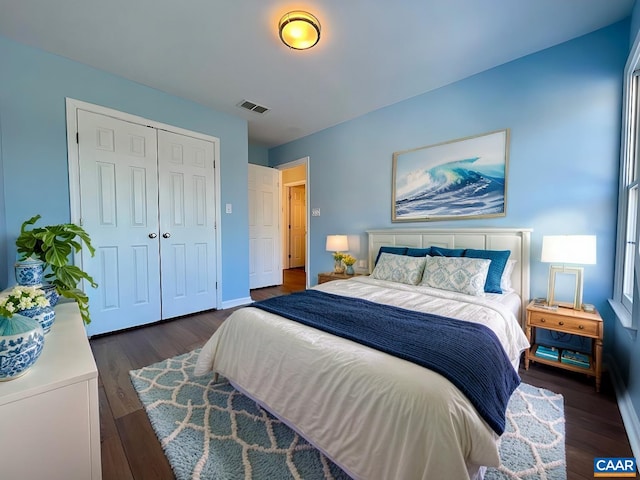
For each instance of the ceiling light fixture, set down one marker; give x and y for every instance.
(299, 30)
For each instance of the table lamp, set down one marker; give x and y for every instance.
(568, 249)
(336, 244)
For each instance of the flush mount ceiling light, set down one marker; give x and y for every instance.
(299, 30)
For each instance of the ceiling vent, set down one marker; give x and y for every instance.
(253, 107)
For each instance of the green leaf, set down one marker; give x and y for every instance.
(83, 302)
(54, 245)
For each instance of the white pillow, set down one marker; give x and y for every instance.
(505, 280)
(458, 274)
(399, 268)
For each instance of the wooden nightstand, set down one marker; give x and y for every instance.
(328, 276)
(567, 320)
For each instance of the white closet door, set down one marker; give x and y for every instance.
(264, 227)
(187, 224)
(119, 208)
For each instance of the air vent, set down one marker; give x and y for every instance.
(253, 107)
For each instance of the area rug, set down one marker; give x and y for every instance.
(211, 431)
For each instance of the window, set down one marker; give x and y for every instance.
(627, 259)
(630, 246)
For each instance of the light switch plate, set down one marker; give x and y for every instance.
(229, 208)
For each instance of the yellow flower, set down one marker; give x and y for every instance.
(348, 259)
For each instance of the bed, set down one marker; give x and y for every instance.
(375, 414)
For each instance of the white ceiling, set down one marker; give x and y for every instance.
(371, 53)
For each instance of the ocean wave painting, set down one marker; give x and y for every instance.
(460, 179)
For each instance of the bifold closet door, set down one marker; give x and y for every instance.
(119, 210)
(148, 202)
(187, 224)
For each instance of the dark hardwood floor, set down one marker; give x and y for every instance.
(130, 449)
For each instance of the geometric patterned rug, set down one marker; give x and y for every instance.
(212, 431)
(532, 445)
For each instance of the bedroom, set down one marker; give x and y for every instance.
(561, 104)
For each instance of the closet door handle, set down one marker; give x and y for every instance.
(166, 235)
(153, 235)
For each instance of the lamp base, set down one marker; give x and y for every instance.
(571, 301)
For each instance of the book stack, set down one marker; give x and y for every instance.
(542, 303)
(550, 353)
(539, 301)
(575, 358)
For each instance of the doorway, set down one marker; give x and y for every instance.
(295, 215)
(297, 225)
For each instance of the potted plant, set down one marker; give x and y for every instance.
(349, 260)
(53, 245)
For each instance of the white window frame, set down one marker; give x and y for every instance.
(624, 301)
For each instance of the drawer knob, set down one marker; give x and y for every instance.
(581, 327)
(560, 323)
(542, 320)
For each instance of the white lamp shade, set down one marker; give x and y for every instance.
(337, 243)
(577, 249)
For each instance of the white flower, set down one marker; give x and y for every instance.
(22, 298)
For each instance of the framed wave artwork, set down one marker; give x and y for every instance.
(464, 178)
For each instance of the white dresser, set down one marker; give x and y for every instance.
(49, 417)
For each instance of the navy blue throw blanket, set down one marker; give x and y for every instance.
(469, 355)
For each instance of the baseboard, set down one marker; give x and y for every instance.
(238, 302)
(628, 413)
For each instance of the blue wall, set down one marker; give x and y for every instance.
(258, 155)
(3, 215)
(563, 106)
(33, 165)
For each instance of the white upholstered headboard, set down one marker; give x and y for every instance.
(518, 240)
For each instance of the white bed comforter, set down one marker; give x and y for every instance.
(375, 415)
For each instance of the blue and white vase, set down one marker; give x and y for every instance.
(43, 315)
(51, 293)
(21, 343)
(29, 273)
(350, 270)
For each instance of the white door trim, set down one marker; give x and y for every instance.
(73, 161)
(302, 161)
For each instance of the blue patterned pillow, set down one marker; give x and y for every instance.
(399, 268)
(446, 252)
(457, 274)
(498, 262)
(394, 250)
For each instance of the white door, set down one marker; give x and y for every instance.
(155, 247)
(187, 224)
(264, 231)
(119, 209)
(297, 226)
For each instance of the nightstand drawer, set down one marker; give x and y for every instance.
(578, 326)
